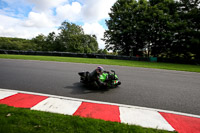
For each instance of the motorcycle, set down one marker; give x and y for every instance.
(110, 79)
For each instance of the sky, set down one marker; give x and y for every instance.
(29, 18)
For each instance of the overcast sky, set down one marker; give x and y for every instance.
(29, 18)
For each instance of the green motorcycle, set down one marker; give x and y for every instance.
(111, 79)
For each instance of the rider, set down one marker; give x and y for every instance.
(95, 77)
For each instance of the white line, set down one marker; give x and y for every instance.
(144, 118)
(93, 101)
(4, 94)
(57, 105)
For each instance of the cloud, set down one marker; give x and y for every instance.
(14, 27)
(88, 11)
(44, 5)
(28, 18)
(69, 12)
(9, 21)
(8, 27)
(7, 31)
(38, 20)
(95, 10)
(95, 29)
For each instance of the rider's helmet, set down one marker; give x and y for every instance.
(100, 69)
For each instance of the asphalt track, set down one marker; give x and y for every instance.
(153, 88)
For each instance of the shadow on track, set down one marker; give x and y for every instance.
(79, 88)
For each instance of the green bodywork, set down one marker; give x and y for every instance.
(104, 76)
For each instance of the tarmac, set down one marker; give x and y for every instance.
(132, 115)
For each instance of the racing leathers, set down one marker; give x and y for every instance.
(94, 78)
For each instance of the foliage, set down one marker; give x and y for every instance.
(16, 44)
(160, 27)
(70, 39)
(102, 51)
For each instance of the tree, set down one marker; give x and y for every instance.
(90, 44)
(125, 27)
(161, 22)
(72, 39)
(70, 28)
(160, 26)
(102, 51)
(40, 41)
(116, 37)
(16, 44)
(189, 12)
(50, 41)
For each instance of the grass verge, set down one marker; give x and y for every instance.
(20, 120)
(156, 65)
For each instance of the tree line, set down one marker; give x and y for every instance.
(160, 28)
(71, 38)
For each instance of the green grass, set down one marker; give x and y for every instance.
(19, 120)
(156, 65)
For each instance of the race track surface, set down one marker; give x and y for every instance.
(153, 88)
